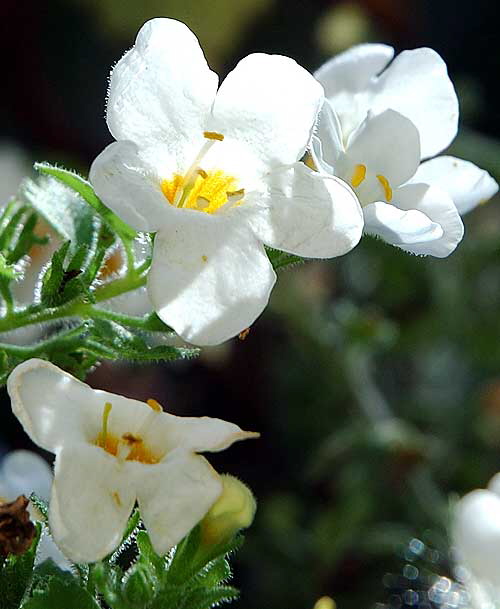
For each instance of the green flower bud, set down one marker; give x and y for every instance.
(140, 586)
(234, 510)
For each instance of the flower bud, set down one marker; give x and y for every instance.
(233, 510)
(140, 586)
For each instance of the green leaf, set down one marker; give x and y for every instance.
(7, 271)
(147, 555)
(115, 342)
(53, 278)
(281, 260)
(27, 238)
(63, 209)
(16, 574)
(85, 190)
(203, 598)
(61, 594)
(40, 504)
(217, 572)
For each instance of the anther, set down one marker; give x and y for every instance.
(236, 193)
(202, 202)
(154, 405)
(202, 173)
(213, 135)
(359, 175)
(386, 186)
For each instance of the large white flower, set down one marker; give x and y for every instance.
(111, 451)
(374, 130)
(217, 174)
(476, 538)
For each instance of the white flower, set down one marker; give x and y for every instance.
(476, 538)
(375, 129)
(111, 451)
(216, 173)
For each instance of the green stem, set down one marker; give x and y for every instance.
(43, 346)
(78, 308)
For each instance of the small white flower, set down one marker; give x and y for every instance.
(374, 130)
(217, 174)
(476, 539)
(111, 451)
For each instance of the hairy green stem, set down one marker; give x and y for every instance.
(79, 308)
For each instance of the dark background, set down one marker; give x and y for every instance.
(374, 379)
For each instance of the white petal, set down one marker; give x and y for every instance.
(353, 69)
(307, 213)
(269, 103)
(417, 85)
(162, 89)
(210, 278)
(387, 144)
(45, 400)
(437, 205)
(405, 229)
(196, 434)
(327, 144)
(24, 472)
(130, 187)
(92, 497)
(476, 534)
(58, 410)
(466, 184)
(423, 220)
(174, 496)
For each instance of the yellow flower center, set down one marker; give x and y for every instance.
(201, 190)
(130, 446)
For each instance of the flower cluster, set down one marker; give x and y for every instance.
(216, 173)
(272, 158)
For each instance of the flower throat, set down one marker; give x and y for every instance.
(200, 190)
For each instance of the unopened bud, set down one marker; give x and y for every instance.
(233, 511)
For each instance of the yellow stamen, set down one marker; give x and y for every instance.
(236, 193)
(103, 436)
(213, 135)
(154, 405)
(386, 186)
(117, 498)
(204, 258)
(359, 175)
(206, 191)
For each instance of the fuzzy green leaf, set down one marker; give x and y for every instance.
(203, 598)
(7, 271)
(63, 208)
(281, 260)
(85, 190)
(61, 594)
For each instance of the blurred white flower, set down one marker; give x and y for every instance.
(475, 531)
(110, 452)
(373, 131)
(217, 174)
(23, 472)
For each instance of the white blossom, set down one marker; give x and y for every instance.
(375, 128)
(475, 530)
(217, 174)
(112, 451)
